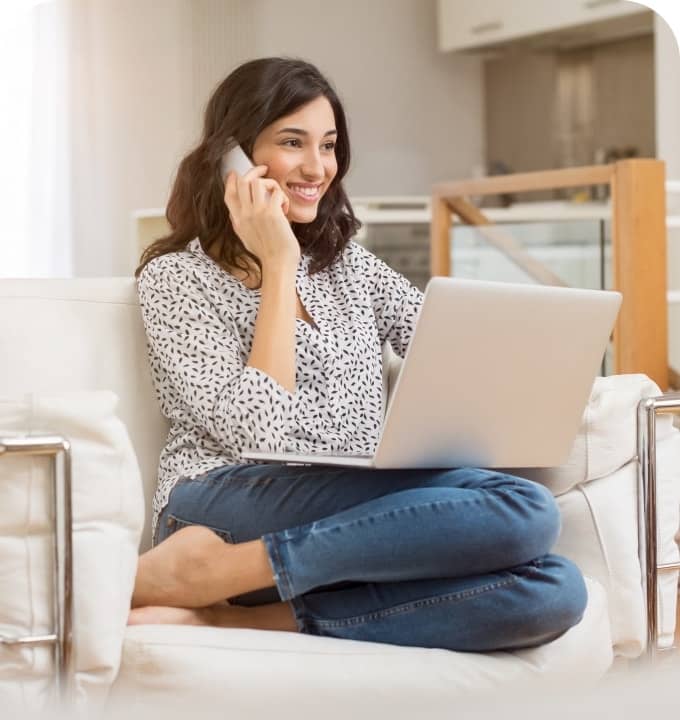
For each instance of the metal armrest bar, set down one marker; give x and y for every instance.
(54, 446)
(29, 639)
(648, 409)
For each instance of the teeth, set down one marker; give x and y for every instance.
(310, 192)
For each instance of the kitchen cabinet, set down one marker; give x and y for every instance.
(468, 24)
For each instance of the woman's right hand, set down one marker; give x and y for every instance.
(257, 208)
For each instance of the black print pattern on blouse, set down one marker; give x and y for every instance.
(199, 323)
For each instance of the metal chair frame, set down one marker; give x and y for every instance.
(61, 637)
(648, 410)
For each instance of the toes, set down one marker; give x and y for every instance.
(162, 615)
(136, 617)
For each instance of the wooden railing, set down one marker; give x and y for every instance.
(638, 206)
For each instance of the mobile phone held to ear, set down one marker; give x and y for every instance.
(235, 159)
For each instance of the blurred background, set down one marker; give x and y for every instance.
(102, 99)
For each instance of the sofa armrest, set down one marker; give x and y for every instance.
(649, 410)
(619, 495)
(60, 638)
(107, 514)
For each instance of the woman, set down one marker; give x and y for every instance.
(265, 325)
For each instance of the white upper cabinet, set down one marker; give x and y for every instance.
(466, 24)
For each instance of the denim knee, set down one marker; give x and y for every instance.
(562, 596)
(542, 518)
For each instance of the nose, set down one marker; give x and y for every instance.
(312, 166)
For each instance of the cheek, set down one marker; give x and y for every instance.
(332, 169)
(277, 166)
(279, 169)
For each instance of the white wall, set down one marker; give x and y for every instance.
(132, 88)
(667, 61)
(415, 114)
(147, 69)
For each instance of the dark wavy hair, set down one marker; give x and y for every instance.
(252, 97)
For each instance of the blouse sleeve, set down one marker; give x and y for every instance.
(196, 357)
(396, 302)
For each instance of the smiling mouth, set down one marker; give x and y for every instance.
(305, 194)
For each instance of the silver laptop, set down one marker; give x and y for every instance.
(496, 375)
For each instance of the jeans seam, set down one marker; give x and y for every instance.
(216, 474)
(304, 622)
(416, 604)
(282, 578)
(305, 529)
(222, 533)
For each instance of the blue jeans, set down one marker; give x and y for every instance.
(455, 559)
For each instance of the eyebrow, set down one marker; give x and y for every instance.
(304, 133)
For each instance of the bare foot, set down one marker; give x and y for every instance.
(276, 616)
(159, 615)
(195, 568)
(165, 572)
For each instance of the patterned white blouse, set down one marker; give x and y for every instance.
(199, 322)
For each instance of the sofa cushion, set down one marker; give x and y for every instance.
(599, 533)
(108, 515)
(256, 673)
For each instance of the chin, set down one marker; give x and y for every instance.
(304, 216)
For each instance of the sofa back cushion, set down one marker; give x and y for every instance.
(84, 334)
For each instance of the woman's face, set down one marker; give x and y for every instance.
(299, 150)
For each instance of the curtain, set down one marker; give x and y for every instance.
(34, 140)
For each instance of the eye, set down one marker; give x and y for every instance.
(329, 146)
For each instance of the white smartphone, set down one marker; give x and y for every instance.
(235, 159)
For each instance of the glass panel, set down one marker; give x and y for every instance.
(573, 250)
(577, 251)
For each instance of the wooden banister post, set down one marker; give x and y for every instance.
(639, 268)
(440, 237)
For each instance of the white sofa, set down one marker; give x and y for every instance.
(73, 363)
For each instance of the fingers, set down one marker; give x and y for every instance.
(244, 186)
(259, 193)
(278, 197)
(233, 178)
(256, 171)
(266, 192)
(274, 193)
(252, 192)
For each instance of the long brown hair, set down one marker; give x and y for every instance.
(252, 97)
